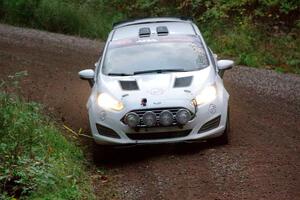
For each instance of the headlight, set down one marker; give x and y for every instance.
(207, 95)
(108, 102)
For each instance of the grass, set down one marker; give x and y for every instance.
(36, 160)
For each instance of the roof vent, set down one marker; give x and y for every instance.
(162, 30)
(144, 32)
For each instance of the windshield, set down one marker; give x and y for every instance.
(170, 54)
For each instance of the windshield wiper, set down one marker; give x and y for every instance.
(119, 74)
(158, 71)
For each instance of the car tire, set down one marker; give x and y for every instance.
(224, 138)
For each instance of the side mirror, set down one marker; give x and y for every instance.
(225, 64)
(87, 74)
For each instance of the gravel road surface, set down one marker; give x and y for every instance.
(262, 160)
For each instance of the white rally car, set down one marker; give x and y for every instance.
(157, 82)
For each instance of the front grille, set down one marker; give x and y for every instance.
(102, 130)
(157, 111)
(158, 135)
(214, 123)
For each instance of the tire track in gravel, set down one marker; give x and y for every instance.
(261, 162)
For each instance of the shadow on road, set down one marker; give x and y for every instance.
(116, 156)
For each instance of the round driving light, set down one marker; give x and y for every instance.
(149, 118)
(132, 119)
(183, 116)
(166, 118)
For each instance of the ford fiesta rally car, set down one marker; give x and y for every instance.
(157, 82)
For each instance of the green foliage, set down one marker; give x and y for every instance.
(280, 70)
(19, 11)
(36, 160)
(255, 33)
(251, 45)
(59, 16)
(84, 18)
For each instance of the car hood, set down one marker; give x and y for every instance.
(175, 85)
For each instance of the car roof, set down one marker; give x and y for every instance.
(175, 26)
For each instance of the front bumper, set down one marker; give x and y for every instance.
(111, 120)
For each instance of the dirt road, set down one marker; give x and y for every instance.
(262, 160)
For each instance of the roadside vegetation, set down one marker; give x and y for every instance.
(36, 160)
(256, 33)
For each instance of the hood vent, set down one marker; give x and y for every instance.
(183, 82)
(129, 85)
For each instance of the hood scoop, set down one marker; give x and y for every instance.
(183, 81)
(129, 85)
